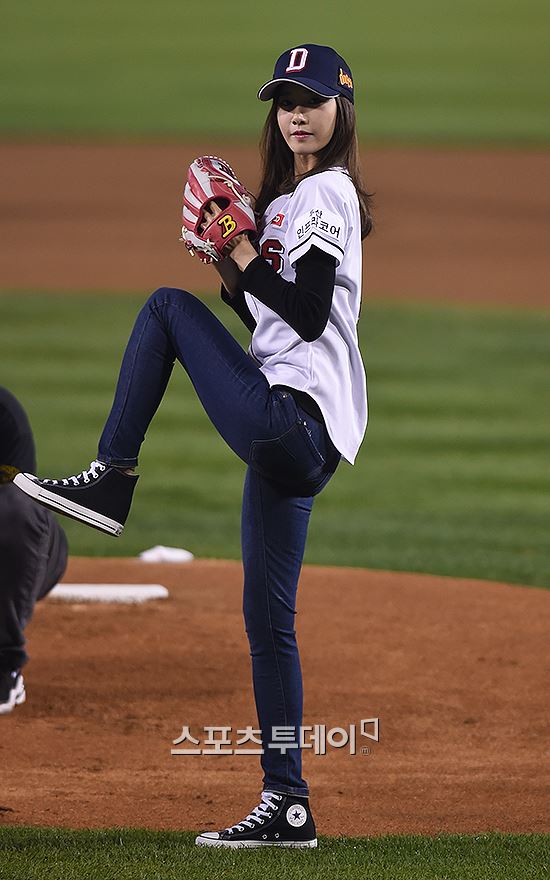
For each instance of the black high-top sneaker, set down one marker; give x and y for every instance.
(278, 820)
(99, 497)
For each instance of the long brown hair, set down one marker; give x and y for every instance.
(278, 161)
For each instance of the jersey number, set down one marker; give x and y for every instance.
(272, 251)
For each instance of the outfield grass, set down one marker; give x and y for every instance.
(424, 71)
(34, 853)
(452, 478)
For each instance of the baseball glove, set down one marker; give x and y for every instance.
(211, 179)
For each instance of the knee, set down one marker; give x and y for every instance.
(266, 629)
(256, 622)
(170, 296)
(270, 642)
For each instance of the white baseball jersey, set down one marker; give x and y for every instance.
(323, 211)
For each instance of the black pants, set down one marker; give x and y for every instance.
(33, 556)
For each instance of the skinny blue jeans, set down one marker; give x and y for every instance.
(290, 458)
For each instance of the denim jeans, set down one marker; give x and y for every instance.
(290, 458)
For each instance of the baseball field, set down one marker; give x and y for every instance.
(424, 598)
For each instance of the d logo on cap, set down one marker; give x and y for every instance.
(298, 58)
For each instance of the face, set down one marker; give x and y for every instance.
(306, 121)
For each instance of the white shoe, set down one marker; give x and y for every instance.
(12, 691)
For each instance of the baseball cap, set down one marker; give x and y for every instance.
(318, 68)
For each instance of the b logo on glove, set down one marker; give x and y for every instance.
(228, 224)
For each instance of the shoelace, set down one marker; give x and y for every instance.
(84, 477)
(259, 814)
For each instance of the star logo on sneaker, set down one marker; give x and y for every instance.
(296, 815)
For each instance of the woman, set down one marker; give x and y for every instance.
(291, 407)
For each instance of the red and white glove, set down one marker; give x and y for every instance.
(210, 178)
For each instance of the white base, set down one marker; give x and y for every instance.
(160, 553)
(127, 593)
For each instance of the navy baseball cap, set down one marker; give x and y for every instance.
(318, 68)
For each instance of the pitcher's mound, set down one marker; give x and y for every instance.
(452, 669)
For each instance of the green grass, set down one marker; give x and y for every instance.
(452, 478)
(35, 853)
(424, 71)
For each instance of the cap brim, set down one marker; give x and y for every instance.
(268, 90)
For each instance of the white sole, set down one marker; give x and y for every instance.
(17, 696)
(68, 508)
(252, 844)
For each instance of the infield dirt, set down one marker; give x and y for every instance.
(451, 668)
(466, 226)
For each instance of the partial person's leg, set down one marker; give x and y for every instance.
(58, 552)
(274, 531)
(33, 555)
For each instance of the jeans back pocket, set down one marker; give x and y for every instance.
(292, 459)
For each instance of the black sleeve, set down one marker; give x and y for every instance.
(238, 304)
(303, 304)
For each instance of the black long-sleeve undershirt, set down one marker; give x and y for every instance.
(239, 306)
(304, 304)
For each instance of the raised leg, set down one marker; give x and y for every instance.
(172, 325)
